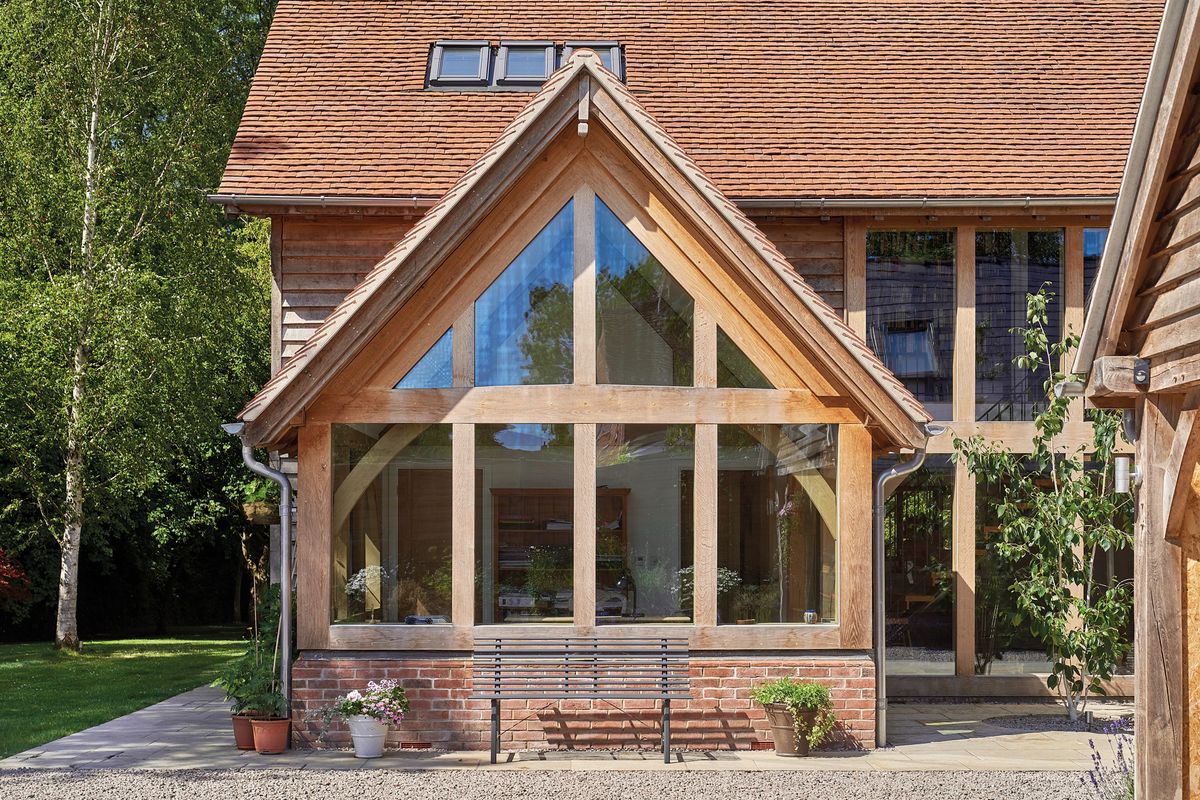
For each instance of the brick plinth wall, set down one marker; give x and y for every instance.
(720, 716)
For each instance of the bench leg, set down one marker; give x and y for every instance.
(495, 729)
(666, 725)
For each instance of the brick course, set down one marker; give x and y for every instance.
(720, 716)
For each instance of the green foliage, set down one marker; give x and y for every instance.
(1056, 514)
(800, 696)
(46, 694)
(251, 682)
(135, 314)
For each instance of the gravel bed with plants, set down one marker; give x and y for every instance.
(459, 784)
(1058, 722)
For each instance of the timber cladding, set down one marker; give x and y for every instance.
(720, 715)
(321, 258)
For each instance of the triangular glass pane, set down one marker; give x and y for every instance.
(434, 370)
(735, 370)
(523, 321)
(644, 318)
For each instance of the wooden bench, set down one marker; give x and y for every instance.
(581, 667)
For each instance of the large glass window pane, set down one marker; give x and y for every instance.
(735, 370)
(1094, 240)
(644, 478)
(919, 570)
(524, 536)
(435, 369)
(644, 318)
(1009, 265)
(910, 311)
(1004, 640)
(777, 524)
(392, 536)
(523, 332)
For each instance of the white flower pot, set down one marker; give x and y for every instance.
(369, 735)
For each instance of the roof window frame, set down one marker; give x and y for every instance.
(436, 78)
(614, 49)
(502, 78)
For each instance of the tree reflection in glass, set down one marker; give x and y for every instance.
(523, 321)
(644, 318)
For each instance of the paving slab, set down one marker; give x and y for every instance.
(192, 732)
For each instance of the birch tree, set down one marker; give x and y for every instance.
(124, 298)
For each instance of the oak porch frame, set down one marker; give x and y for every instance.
(585, 404)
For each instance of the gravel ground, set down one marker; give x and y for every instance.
(1054, 722)
(553, 785)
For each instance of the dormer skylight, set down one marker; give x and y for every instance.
(456, 64)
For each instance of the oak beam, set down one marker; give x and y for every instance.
(1180, 466)
(583, 404)
(1111, 382)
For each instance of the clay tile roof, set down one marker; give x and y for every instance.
(341, 322)
(811, 98)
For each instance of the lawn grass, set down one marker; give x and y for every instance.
(45, 694)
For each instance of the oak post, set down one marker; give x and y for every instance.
(584, 596)
(313, 535)
(704, 528)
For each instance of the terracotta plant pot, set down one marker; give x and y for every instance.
(243, 734)
(271, 735)
(790, 739)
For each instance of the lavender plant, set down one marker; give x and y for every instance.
(1112, 781)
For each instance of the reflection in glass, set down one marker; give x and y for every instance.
(524, 536)
(910, 311)
(644, 550)
(777, 523)
(1009, 265)
(391, 524)
(1005, 643)
(643, 316)
(460, 62)
(1094, 240)
(523, 320)
(735, 370)
(434, 370)
(525, 62)
(919, 570)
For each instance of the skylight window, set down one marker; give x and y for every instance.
(524, 62)
(460, 64)
(609, 52)
(514, 65)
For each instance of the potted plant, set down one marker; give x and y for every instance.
(270, 725)
(260, 501)
(800, 714)
(251, 683)
(369, 713)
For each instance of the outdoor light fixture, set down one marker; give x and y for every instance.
(1125, 475)
(1069, 389)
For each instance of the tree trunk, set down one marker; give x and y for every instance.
(66, 632)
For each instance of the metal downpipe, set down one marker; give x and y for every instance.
(285, 558)
(896, 473)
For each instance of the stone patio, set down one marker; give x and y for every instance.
(192, 731)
